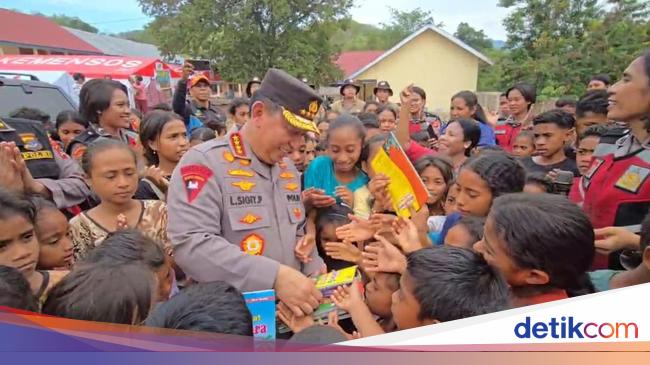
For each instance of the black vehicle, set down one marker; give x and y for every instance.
(16, 93)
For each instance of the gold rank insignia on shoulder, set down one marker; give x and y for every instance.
(242, 173)
(228, 156)
(244, 185)
(250, 218)
(287, 175)
(633, 178)
(292, 186)
(237, 146)
(245, 162)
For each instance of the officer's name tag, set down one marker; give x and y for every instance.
(38, 155)
(240, 200)
(293, 198)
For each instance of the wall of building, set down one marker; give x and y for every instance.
(431, 62)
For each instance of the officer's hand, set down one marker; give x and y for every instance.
(610, 239)
(188, 68)
(10, 175)
(316, 198)
(296, 291)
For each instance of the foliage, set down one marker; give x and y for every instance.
(559, 44)
(70, 22)
(245, 38)
(474, 38)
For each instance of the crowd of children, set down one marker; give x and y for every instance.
(503, 224)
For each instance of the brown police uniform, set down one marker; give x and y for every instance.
(233, 217)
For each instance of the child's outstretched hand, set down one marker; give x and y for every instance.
(333, 321)
(295, 323)
(382, 222)
(346, 195)
(122, 222)
(382, 256)
(304, 248)
(343, 251)
(316, 198)
(348, 297)
(358, 230)
(407, 235)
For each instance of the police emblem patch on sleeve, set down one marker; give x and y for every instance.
(194, 178)
(633, 178)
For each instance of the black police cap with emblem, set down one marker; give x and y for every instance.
(383, 85)
(299, 102)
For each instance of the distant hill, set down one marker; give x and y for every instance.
(498, 44)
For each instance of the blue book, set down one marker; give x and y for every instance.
(261, 304)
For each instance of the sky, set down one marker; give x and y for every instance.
(116, 16)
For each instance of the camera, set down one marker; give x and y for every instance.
(563, 182)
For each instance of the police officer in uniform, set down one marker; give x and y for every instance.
(349, 102)
(103, 103)
(383, 92)
(198, 110)
(617, 185)
(235, 209)
(49, 172)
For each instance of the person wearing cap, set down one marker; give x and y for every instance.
(198, 109)
(349, 103)
(252, 86)
(383, 92)
(235, 206)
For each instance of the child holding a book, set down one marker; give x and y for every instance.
(436, 285)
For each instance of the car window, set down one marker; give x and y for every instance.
(49, 100)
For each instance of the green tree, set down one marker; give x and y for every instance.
(247, 37)
(70, 22)
(403, 23)
(474, 38)
(544, 42)
(140, 35)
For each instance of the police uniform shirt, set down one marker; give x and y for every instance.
(355, 108)
(234, 218)
(51, 167)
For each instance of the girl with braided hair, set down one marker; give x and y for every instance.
(482, 179)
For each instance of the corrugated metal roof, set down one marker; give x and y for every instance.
(115, 46)
(24, 30)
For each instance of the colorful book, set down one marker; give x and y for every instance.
(327, 283)
(261, 304)
(406, 189)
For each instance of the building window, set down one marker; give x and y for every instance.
(25, 50)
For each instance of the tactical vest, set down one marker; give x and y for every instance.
(92, 133)
(34, 144)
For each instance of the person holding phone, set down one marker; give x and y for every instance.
(198, 109)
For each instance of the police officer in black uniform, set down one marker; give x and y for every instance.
(48, 173)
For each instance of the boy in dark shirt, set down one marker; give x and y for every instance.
(552, 130)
